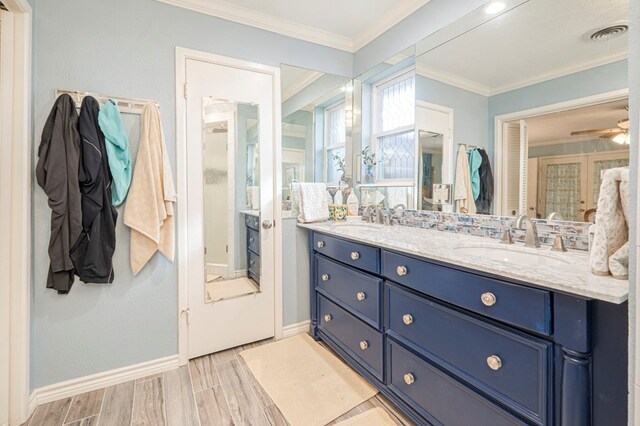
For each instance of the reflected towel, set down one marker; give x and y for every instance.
(463, 193)
(149, 209)
(313, 202)
(610, 249)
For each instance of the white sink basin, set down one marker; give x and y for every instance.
(514, 256)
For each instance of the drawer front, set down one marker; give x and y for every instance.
(360, 292)
(253, 263)
(253, 240)
(354, 254)
(510, 367)
(521, 306)
(361, 341)
(251, 221)
(439, 397)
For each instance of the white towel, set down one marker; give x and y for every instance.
(610, 249)
(149, 209)
(463, 192)
(313, 202)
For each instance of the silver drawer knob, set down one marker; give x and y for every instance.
(364, 345)
(325, 277)
(355, 255)
(409, 379)
(488, 299)
(320, 244)
(328, 317)
(407, 319)
(494, 362)
(361, 296)
(401, 270)
(251, 262)
(251, 240)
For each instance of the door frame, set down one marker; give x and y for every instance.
(182, 55)
(534, 112)
(15, 196)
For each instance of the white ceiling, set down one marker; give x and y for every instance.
(554, 128)
(346, 25)
(536, 41)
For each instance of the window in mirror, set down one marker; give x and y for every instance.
(393, 127)
(334, 143)
(430, 165)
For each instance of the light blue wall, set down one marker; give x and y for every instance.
(470, 110)
(431, 17)
(296, 285)
(126, 48)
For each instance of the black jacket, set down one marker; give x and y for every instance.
(57, 174)
(92, 254)
(485, 199)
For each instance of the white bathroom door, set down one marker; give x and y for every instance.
(233, 321)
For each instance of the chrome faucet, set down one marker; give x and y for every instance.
(374, 216)
(531, 238)
(554, 216)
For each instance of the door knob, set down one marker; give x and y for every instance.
(267, 224)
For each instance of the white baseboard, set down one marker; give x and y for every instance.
(295, 329)
(80, 385)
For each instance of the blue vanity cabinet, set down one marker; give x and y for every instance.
(454, 346)
(253, 246)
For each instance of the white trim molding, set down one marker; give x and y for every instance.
(295, 329)
(90, 383)
(300, 84)
(452, 80)
(15, 197)
(265, 21)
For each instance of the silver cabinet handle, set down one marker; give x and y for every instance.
(401, 270)
(494, 362)
(325, 277)
(267, 224)
(361, 295)
(407, 319)
(355, 255)
(320, 244)
(328, 317)
(364, 345)
(488, 299)
(409, 379)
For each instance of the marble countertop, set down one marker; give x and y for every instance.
(572, 277)
(251, 212)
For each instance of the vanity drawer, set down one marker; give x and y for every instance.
(354, 254)
(360, 292)
(253, 240)
(251, 221)
(521, 306)
(511, 367)
(440, 398)
(360, 341)
(253, 263)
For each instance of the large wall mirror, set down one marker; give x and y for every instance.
(533, 98)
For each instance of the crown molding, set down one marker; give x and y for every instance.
(391, 19)
(484, 90)
(561, 72)
(452, 80)
(253, 18)
(250, 17)
(300, 84)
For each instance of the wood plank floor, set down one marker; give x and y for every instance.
(216, 389)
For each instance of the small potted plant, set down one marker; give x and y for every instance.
(340, 165)
(369, 161)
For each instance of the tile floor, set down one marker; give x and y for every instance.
(216, 389)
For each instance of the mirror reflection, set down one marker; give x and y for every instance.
(231, 177)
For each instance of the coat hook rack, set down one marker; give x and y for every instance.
(126, 105)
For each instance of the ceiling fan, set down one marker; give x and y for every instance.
(619, 134)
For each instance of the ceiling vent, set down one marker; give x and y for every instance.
(609, 32)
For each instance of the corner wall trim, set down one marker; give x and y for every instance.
(80, 385)
(295, 329)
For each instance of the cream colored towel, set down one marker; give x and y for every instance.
(463, 192)
(313, 202)
(149, 209)
(610, 249)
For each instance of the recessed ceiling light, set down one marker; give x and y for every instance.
(494, 7)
